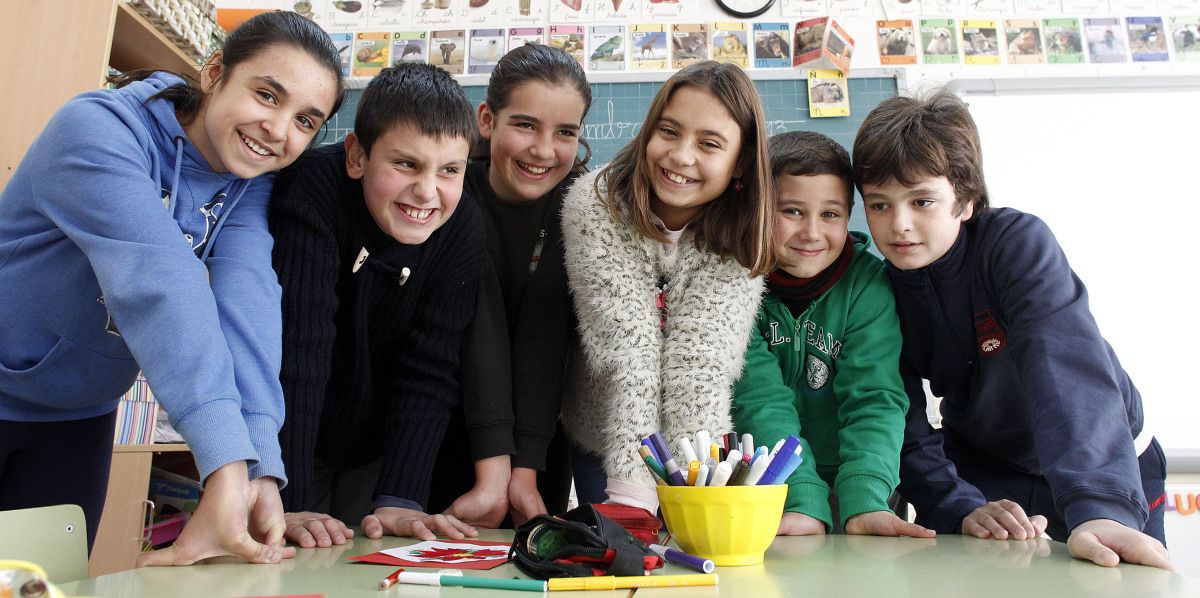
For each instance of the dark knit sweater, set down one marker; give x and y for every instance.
(370, 366)
(516, 349)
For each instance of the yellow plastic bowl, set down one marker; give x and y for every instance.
(732, 525)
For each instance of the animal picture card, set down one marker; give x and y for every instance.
(617, 10)
(979, 42)
(344, 14)
(371, 52)
(344, 42)
(648, 47)
(1023, 38)
(1147, 39)
(570, 11)
(519, 36)
(939, 44)
(658, 9)
(448, 50)
(410, 46)
(809, 38)
(803, 9)
(1104, 40)
(389, 13)
(607, 43)
(896, 45)
(851, 8)
(569, 39)
(771, 47)
(729, 43)
(1063, 45)
(1085, 7)
(943, 7)
(487, 46)
(828, 94)
(434, 14)
(689, 44)
(1037, 7)
(1185, 37)
(444, 554)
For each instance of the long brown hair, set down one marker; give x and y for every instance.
(738, 223)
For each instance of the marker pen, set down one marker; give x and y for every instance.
(757, 469)
(721, 474)
(693, 472)
(702, 442)
(685, 447)
(739, 471)
(747, 444)
(733, 457)
(702, 475)
(771, 476)
(683, 559)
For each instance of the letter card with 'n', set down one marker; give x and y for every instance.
(442, 554)
(828, 93)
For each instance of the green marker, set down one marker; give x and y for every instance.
(458, 579)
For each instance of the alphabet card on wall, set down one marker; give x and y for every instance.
(525, 12)
(449, 50)
(389, 13)
(436, 13)
(803, 9)
(979, 42)
(828, 94)
(570, 11)
(657, 9)
(648, 43)
(1185, 31)
(771, 47)
(487, 46)
(618, 10)
(1023, 38)
(569, 39)
(410, 46)
(897, 43)
(729, 43)
(444, 554)
(343, 14)
(1063, 45)
(607, 43)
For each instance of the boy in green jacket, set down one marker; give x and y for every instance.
(823, 360)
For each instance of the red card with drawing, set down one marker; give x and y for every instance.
(466, 554)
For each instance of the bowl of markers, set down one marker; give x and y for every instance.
(722, 498)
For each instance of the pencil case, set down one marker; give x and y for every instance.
(579, 543)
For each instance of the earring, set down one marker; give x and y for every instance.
(737, 185)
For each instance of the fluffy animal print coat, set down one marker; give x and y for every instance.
(633, 379)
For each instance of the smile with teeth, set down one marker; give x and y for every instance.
(676, 178)
(531, 169)
(416, 213)
(254, 147)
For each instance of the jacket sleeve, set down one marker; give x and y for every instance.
(871, 401)
(425, 383)
(1081, 431)
(928, 479)
(487, 394)
(306, 259)
(765, 406)
(248, 295)
(102, 196)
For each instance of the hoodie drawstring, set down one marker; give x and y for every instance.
(179, 141)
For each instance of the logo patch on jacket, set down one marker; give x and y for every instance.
(818, 372)
(988, 333)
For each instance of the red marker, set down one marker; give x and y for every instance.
(390, 580)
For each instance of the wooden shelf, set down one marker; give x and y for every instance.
(137, 44)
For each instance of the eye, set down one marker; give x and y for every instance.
(306, 122)
(877, 206)
(923, 203)
(266, 96)
(711, 144)
(668, 131)
(405, 164)
(831, 215)
(567, 133)
(790, 211)
(524, 125)
(450, 170)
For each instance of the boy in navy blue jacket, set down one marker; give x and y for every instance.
(1042, 429)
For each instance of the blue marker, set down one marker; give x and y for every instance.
(771, 476)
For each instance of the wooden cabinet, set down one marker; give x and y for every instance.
(119, 538)
(53, 51)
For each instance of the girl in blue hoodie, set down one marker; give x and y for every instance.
(134, 236)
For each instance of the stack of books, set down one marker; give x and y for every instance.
(136, 413)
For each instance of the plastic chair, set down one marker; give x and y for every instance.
(53, 537)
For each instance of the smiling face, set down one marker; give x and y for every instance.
(914, 226)
(261, 114)
(811, 218)
(533, 140)
(411, 182)
(691, 155)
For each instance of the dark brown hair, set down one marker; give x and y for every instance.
(420, 95)
(536, 62)
(253, 36)
(806, 153)
(737, 224)
(909, 139)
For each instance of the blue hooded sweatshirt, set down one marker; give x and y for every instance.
(120, 250)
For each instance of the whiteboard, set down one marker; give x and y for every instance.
(1113, 166)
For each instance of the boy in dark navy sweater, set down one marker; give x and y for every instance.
(1042, 429)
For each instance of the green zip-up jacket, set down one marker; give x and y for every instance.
(832, 377)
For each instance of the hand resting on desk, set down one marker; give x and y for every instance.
(799, 524)
(395, 521)
(525, 502)
(885, 523)
(1107, 542)
(309, 529)
(1002, 519)
(233, 517)
(486, 503)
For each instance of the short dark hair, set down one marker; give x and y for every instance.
(536, 62)
(421, 95)
(908, 139)
(255, 35)
(806, 153)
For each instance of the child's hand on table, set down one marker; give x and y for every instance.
(799, 524)
(885, 523)
(486, 503)
(525, 502)
(1003, 520)
(396, 521)
(309, 529)
(1107, 542)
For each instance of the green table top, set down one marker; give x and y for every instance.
(818, 567)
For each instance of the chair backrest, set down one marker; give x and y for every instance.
(53, 537)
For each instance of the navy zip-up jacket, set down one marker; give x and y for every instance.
(1000, 326)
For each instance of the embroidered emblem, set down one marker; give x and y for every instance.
(988, 333)
(818, 373)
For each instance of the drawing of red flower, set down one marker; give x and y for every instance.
(458, 554)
